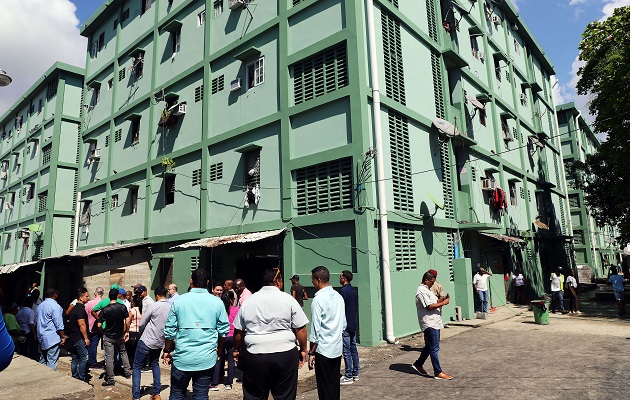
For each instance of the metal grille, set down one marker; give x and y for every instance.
(118, 135)
(125, 15)
(296, 2)
(324, 187)
(574, 200)
(578, 237)
(550, 121)
(103, 204)
(321, 73)
(563, 218)
(107, 141)
(43, 198)
(217, 84)
(515, 134)
(216, 171)
(194, 263)
(450, 248)
(198, 94)
(393, 61)
(438, 92)
(400, 161)
(394, 3)
(556, 169)
(196, 177)
(46, 153)
(52, 89)
(38, 251)
(121, 74)
(169, 189)
(529, 196)
(473, 173)
(522, 193)
(405, 246)
(252, 168)
(432, 20)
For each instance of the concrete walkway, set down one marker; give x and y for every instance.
(28, 379)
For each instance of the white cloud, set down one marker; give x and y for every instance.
(577, 2)
(35, 34)
(610, 6)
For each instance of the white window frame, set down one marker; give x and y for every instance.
(517, 46)
(201, 18)
(96, 96)
(218, 8)
(114, 202)
(7, 244)
(257, 68)
(474, 46)
(94, 49)
(176, 37)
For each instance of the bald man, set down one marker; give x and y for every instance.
(242, 291)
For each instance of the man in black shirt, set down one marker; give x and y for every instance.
(117, 320)
(297, 290)
(349, 336)
(78, 336)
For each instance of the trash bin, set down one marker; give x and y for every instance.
(541, 311)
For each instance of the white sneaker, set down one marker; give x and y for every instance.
(345, 381)
(355, 378)
(214, 388)
(227, 387)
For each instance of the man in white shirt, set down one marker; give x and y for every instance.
(480, 284)
(430, 318)
(557, 286)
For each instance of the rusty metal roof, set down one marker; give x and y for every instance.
(238, 238)
(10, 268)
(504, 238)
(98, 250)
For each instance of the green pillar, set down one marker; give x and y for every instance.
(462, 274)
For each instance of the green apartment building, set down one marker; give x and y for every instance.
(38, 175)
(239, 136)
(595, 246)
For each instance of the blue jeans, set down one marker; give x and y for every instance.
(78, 365)
(142, 353)
(556, 298)
(350, 354)
(431, 348)
(483, 300)
(92, 349)
(50, 357)
(219, 367)
(181, 379)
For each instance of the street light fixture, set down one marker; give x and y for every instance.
(5, 79)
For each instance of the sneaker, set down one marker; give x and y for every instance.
(214, 388)
(109, 382)
(442, 375)
(355, 378)
(346, 381)
(419, 369)
(227, 387)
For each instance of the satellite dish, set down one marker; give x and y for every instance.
(35, 228)
(445, 127)
(475, 102)
(437, 203)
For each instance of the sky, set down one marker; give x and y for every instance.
(53, 34)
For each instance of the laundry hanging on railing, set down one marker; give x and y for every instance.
(252, 196)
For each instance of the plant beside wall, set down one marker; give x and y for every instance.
(168, 163)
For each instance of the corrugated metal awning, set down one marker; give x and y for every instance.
(98, 250)
(238, 238)
(504, 238)
(11, 268)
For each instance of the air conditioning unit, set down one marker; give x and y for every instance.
(235, 4)
(482, 55)
(488, 184)
(507, 135)
(95, 154)
(496, 20)
(523, 98)
(24, 234)
(179, 109)
(235, 85)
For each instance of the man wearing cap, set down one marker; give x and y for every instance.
(437, 288)
(297, 290)
(141, 292)
(122, 295)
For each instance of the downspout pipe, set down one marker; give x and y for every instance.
(380, 174)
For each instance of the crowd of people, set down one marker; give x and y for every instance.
(197, 333)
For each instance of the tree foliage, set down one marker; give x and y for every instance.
(605, 77)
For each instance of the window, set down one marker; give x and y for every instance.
(218, 8)
(7, 244)
(513, 196)
(135, 131)
(474, 45)
(19, 121)
(133, 194)
(255, 73)
(43, 199)
(482, 117)
(324, 187)
(201, 18)
(320, 73)
(114, 202)
(505, 127)
(125, 15)
(517, 47)
(252, 168)
(497, 69)
(523, 97)
(47, 152)
(115, 23)
(40, 106)
(30, 192)
(86, 213)
(144, 6)
(32, 109)
(138, 64)
(176, 38)
(35, 148)
(101, 41)
(52, 89)
(110, 84)
(11, 202)
(96, 96)
(169, 189)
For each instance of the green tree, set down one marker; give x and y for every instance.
(605, 77)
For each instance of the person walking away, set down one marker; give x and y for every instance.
(134, 330)
(94, 333)
(50, 327)
(617, 282)
(297, 290)
(480, 284)
(26, 319)
(350, 353)
(430, 319)
(242, 291)
(78, 339)
(114, 321)
(196, 327)
(571, 291)
(328, 321)
(172, 293)
(36, 300)
(265, 331)
(150, 343)
(518, 281)
(557, 287)
(228, 345)
(141, 291)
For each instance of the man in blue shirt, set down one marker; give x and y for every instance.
(350, 354)
(50, 329)
(196, 327)
(328, 321)
(617, 283)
